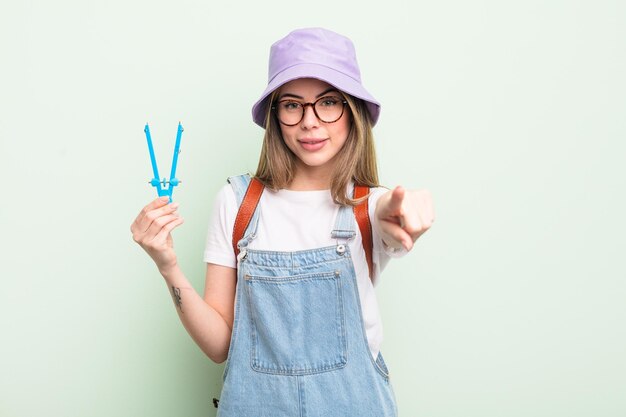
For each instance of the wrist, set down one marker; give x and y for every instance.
(169, 271)
(392, 251)
(392, 248)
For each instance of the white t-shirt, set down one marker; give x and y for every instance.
(301, 220)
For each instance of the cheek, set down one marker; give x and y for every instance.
(285, 132)
(288, 136)
(343, 130)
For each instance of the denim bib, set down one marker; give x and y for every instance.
(298, 346)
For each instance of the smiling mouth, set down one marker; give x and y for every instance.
(311, 141)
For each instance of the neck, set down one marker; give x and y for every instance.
(311, 179)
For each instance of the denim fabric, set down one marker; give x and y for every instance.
(298, 346)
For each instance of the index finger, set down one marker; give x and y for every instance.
(394, 203)
(154, 204)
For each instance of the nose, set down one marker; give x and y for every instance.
(309, 119)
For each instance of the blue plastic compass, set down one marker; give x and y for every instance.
(164, 186)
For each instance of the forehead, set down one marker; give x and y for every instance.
(305, 87)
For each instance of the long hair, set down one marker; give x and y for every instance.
(355, 161)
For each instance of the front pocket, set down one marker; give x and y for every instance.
(297, 323)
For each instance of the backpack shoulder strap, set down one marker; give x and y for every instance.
(247, 208)
(251, 200)
(361, 212)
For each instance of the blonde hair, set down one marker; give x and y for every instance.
(356, 161)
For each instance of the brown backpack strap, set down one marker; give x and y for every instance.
(361, 212)
(246, 210)
(253, 195)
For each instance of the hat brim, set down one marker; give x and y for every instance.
(335, 78)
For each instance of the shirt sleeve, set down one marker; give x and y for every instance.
(381, 253)
(218, 249)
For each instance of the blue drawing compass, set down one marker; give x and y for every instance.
(165, 187)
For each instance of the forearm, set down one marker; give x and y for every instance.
(204, 324)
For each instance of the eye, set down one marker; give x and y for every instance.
(290, 105)
(329, 101)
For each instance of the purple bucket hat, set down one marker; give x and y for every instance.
(314, 53)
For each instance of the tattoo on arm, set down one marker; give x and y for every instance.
(177, 298)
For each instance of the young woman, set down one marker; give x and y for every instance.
(289, 297)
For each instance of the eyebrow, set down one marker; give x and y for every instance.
(302, 98)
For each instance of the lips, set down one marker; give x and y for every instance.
(312, 144)
(311, 140)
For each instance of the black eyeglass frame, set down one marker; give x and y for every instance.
(304, 106)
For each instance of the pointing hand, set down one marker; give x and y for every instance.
(402, 216)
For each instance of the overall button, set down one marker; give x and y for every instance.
(341, 249)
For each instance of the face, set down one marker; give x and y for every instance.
(314, 142)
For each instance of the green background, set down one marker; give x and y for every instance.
(511, 113)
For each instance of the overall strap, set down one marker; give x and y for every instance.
(239, 184)
(250, 200)
(247, 207)
(361, 212)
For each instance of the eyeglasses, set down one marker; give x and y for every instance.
(327, 109)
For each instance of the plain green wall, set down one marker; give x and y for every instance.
(511, 113)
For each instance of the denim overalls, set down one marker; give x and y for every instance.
(298, 345)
